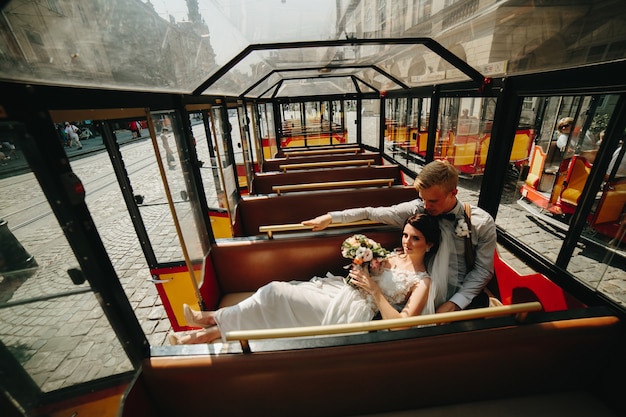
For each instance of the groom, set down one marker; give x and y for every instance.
(437, 186)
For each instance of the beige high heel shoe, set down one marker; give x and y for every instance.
(189, 318)
(173, 339)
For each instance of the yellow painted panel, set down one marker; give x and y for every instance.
(520, 147)
(179, 290)
(464, 153)
(613, 205)
(221, 227)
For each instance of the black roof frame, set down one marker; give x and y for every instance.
(480, 80)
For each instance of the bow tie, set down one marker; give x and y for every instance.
(447, 216)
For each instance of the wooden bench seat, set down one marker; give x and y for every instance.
(576, 181)
(542, 171)
(252, 212)
(319, 149)
(326, 164)
(611, 207)
(234, 298)
(502, 365)
(331, 185)
(275, 163)
(263, 182)
(278, 260)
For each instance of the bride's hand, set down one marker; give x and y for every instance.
(360, 277)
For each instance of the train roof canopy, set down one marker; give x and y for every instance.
(295, 48)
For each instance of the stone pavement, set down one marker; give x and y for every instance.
(67, 340)
(17, 164)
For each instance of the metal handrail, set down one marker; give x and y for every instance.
(278, 189)
(322, 152)
(519, 310)
(306, 165)
(271, 229)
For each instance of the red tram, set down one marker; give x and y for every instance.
(557, 177)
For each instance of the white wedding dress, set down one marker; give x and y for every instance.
(326, 300)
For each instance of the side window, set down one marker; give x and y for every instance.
(565, 134)
(53, 332)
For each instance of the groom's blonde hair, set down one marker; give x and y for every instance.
(440, 173)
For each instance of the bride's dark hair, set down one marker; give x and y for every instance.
(429, 226)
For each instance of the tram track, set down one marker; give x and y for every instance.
(88, 170)
(24, 216)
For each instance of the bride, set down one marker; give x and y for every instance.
(401, 279)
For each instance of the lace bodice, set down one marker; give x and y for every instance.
(396, 284)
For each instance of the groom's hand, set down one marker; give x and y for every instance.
(319, 223)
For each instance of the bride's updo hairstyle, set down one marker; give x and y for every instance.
(429, 226)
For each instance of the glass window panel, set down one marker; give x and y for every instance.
(312, 123)
(209, 169)
(63, 341)
(191, 45)
(257, 21)
(350, 120)
(370, 122)
(111, 217)
(227, 163)
(252, 134)
(137, 48)
(416, 140)
(240, 147)
(265, 85)
(317, 86)
(393, 62)
(55, 329)
(145, 178)
(542, 194)
(398, 133)
(248, 71)
(463, 137)
(30, 266)
(267, 119)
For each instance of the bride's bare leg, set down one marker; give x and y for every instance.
(207, 335)
(198, 318)
(208, 317)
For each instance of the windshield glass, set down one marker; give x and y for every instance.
(236, 47)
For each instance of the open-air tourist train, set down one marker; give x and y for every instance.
(256, 116)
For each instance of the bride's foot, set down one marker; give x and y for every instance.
(174, 338)
(196, 337)
(198, 318)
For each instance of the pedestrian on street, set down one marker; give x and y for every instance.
(72, 133)
(135, 128)
(8, 149)
(169, 155)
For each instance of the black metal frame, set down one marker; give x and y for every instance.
(478, 79)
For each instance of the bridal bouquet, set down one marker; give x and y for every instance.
(363, 251)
